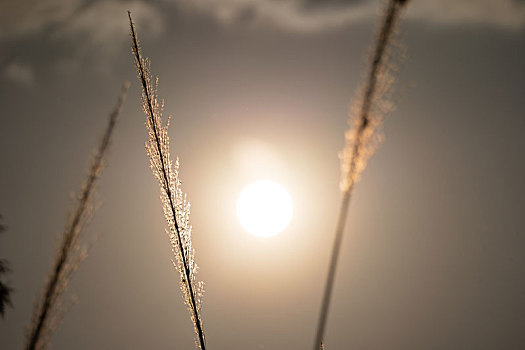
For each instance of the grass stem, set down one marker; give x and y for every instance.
(355, 153)
(68, 255)
(158, 149)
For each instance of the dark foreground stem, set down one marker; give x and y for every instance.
(377, 61)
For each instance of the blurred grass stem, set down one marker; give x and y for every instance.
(357, 153)
(66, 261)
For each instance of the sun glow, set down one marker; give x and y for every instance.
(264, 208)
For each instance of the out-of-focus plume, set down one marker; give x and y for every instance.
(371, 104)
(362, 138)
(49, 308)
(174, 202)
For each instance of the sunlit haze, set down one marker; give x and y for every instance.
(432, 254)
(264, 208)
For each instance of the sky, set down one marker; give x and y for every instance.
(432, 256)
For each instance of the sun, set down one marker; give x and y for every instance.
(264, 208)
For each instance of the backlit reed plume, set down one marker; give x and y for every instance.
(361, 139)
(175, 205)
(49, 308)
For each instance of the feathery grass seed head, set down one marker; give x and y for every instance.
(49, 309)
(175, 204)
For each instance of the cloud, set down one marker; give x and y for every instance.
(508, 14)
(73, 33)
(20, 73)
(315, 15)
(26, 17)
(101, 21)
(105, 23)
(294, 15)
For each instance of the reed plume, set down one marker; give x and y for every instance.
(175, 205)
(49, 309)
(361, 140)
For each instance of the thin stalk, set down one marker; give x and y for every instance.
(64, 265)
(357, 153)
(166, 184)
(5, 289)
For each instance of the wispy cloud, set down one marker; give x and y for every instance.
(26, 17)
(316, 15)
(509, 14)
(19, 73)
(99, 21)
(75, 33)
(104, 22)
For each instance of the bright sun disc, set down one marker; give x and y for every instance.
(264, 208)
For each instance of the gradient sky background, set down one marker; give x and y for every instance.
(433, 255)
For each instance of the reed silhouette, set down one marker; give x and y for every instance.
(174, 202)
(48, 309)
(5, 289)
(361, 141)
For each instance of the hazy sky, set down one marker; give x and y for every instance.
(433, 252)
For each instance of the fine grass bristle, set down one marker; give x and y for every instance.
(361, 141)
(48, 309)
(175, 205)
